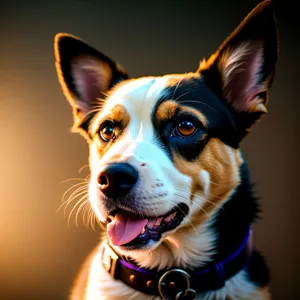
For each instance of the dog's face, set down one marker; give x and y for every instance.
(164, 151)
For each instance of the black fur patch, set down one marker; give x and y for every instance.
(195, 93)
(257, 270)
(237, 213)
(232, 224)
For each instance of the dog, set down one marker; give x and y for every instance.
(168, 179)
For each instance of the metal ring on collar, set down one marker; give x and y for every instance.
(175, 284)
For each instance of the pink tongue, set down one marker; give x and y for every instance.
(122, 229)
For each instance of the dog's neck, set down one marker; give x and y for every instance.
(211, 241)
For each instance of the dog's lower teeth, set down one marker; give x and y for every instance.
(151, 223)
(158, 221)
(169, 218)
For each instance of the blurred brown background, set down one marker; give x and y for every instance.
(39, 253)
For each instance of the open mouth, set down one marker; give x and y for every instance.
(134, 231)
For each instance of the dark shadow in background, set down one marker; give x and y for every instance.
(39, 255)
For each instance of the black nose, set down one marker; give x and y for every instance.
(117, 179)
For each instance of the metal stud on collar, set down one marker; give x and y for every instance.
(175, 285)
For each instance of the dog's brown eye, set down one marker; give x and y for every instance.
(186, 128)
(107, 131)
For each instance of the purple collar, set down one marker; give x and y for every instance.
(177, 283)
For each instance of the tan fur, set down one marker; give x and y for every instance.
(176, 79)
(118, 114)
(168, 109)
(222, 164)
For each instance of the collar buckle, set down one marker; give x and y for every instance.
(109, 259)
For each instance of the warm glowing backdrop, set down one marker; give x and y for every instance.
(39, 254)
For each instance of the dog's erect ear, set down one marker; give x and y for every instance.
(84, 73)
(243, 67)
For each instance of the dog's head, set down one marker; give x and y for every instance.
(164, 150)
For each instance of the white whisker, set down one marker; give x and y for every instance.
(75, 206)
(196, 101)
(81, 206)
(70, 199)
(177, 86)
(199, 197)
(185, 214)
(82, 168)
(78, 193)
(72, 187)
